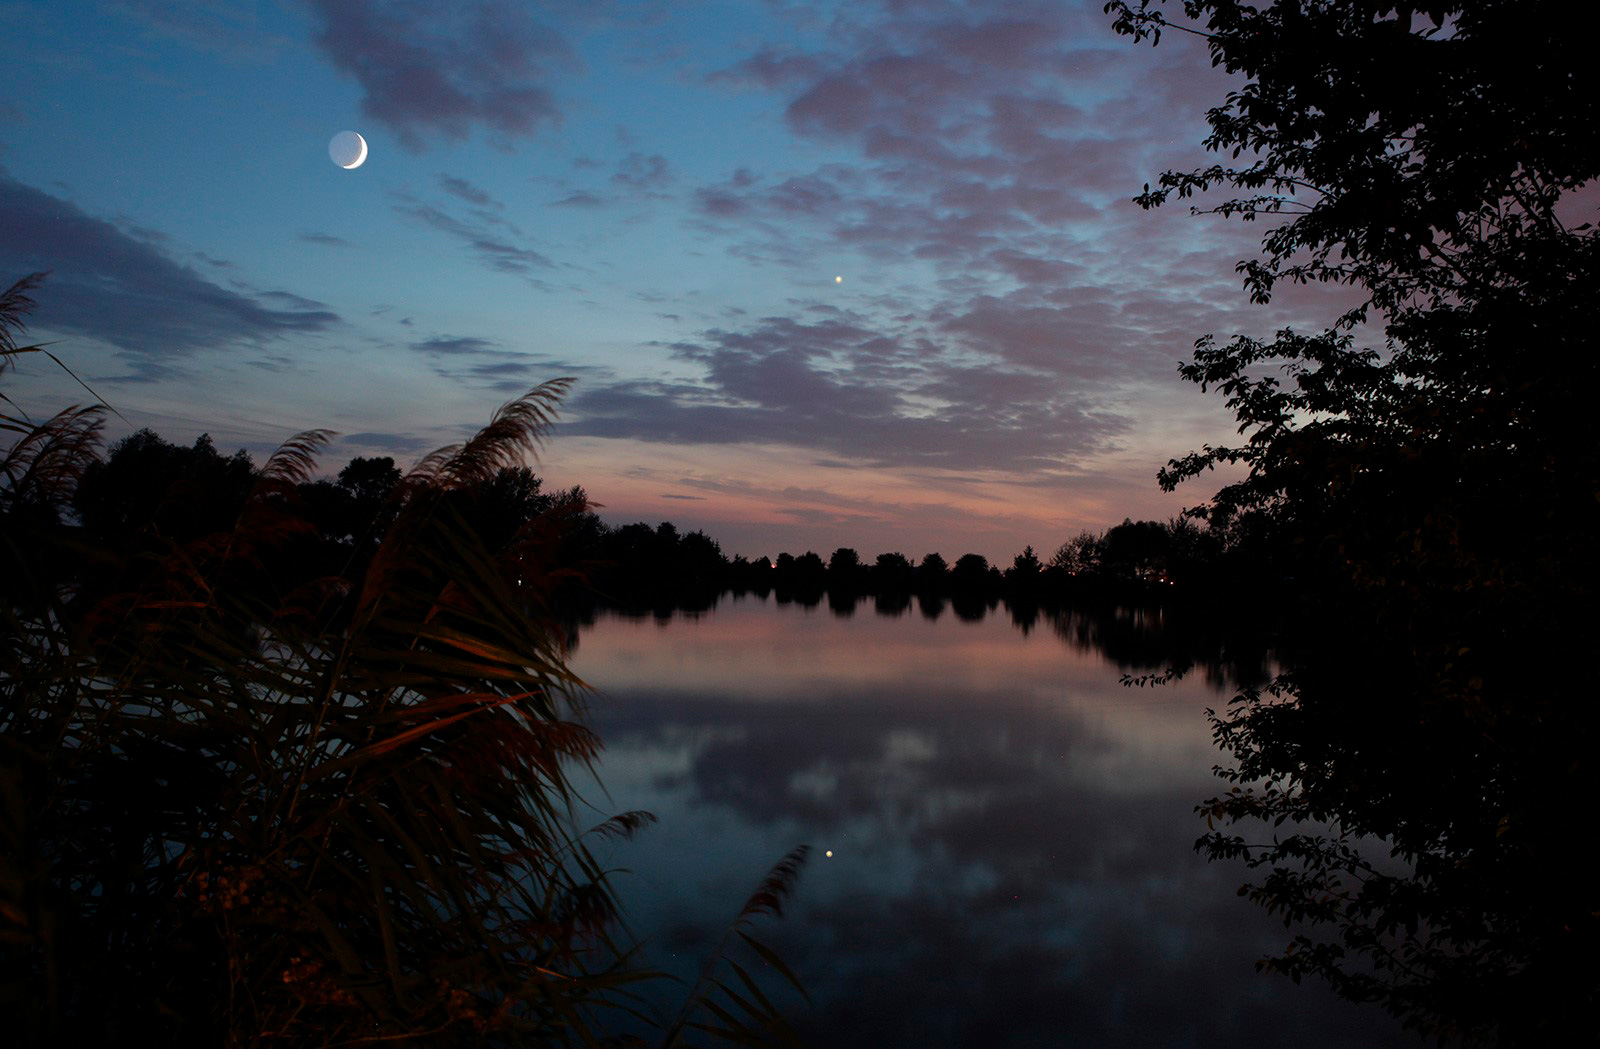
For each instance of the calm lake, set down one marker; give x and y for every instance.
(1011, 829)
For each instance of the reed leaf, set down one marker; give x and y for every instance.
(736, 1012)
(15, 303)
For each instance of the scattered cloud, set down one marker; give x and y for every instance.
(770, 68)
(639, 171)
(865, 396)
(485, 236)
(396, 443)
(511, 378)
(983, 155)
(433, 72)
(290, 299)
(127, 292)
(580, 199)
(993, 142)
(460, 187)
(233, 31)
(454, 345)
(1006, 316)
(489, 365)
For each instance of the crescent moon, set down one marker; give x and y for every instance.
(348, 150)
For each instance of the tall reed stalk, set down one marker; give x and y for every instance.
(239, 812)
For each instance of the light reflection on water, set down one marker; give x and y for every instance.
(1011, 830)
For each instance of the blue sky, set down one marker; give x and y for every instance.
(654, 198)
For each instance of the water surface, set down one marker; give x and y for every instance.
(1011, 829)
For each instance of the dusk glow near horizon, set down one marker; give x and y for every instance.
(662, 201)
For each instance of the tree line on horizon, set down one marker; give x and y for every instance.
(147, 485)
(147, 495)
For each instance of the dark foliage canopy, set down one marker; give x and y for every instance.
(1423, 510)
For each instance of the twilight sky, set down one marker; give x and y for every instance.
(655, 198)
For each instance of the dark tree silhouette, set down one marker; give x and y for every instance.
(1025, 565)
(1137, 549)
(1080, 554)
(971, 571)
(370, 481)
(809, 566)
(354, 510)
(846, 574)
(148, 484)
(892, 573)
(700, 562)
(1424, 513)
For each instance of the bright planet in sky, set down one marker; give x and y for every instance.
(348, 150)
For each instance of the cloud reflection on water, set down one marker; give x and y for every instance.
(1012, 830)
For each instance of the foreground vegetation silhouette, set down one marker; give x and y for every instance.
(247, 801)
(1413, 791)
